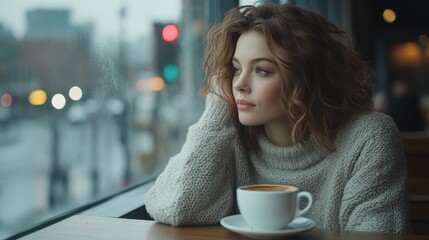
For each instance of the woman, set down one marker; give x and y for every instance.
(288, 102)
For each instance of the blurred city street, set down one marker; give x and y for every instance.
(91, 103)
(27, 157)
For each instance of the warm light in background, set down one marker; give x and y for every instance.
(170, 33)
(37, 97)
(58, 101)
(389, 15)
(157, 84)
(75, 93)
(6, 100)
(154, 84)
(406, 54)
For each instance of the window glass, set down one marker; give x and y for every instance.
(89, 101)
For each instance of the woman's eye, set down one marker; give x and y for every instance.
(235, 70)
(262, 71)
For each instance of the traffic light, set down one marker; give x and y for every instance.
(167, 52)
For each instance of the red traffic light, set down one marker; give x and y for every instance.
(6, 100)
(170, 33)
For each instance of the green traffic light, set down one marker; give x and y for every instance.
(170, 73)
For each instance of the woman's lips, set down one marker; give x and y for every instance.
(244, 105)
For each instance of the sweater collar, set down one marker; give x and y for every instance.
(295, 157)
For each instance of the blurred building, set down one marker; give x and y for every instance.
(8, 57)
(43, 24)
(9, 69)
(52, 44)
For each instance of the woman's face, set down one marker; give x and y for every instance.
(256, 84)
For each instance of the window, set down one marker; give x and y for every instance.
(86, 109)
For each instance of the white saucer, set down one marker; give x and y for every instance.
(237, 224)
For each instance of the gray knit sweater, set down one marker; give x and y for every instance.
(359, 187)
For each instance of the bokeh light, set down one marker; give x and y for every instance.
(170, 33)
(6, 100)
(75, 93)
(154, 84)
(58, 101)
(37, 97)
(406, 54)
(389, 15)
(157, 84)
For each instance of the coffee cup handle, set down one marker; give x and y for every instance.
(310, 202)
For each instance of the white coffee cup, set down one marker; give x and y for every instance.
(271, 206)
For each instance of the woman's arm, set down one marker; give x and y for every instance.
(375, 198)
(197, 185)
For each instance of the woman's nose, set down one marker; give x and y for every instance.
(241, 83)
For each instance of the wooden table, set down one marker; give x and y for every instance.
(84, 227)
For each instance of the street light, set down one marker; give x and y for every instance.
(58, 101)
(75, 93)
(37, 97)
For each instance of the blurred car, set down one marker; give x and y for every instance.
(77, 114)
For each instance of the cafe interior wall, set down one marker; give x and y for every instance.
(396, 48)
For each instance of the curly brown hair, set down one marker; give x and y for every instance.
(325, 80)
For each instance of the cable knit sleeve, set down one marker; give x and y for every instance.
(375, 197)
(197, 185)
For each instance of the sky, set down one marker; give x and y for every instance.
(104, 14)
